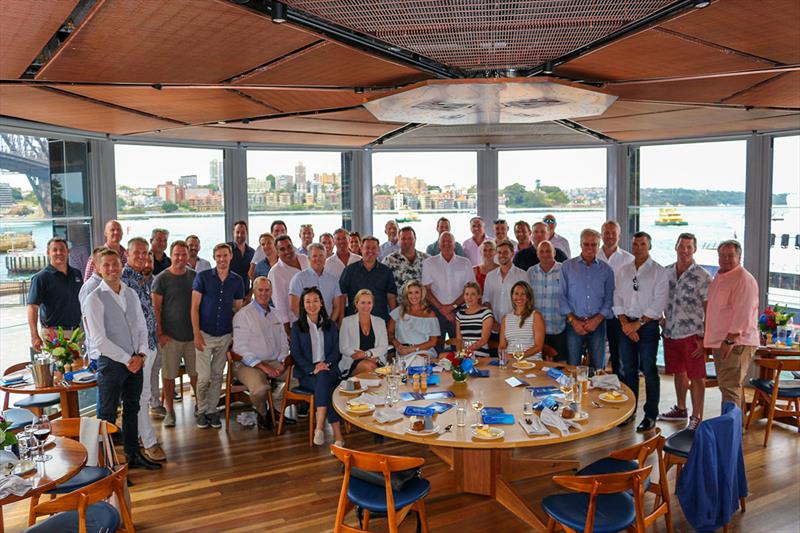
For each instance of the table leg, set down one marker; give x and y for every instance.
(2, 526)
(69, 404)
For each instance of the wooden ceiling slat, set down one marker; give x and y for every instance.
(184, 41)
(41, 105)
(293, 101)
(25, 28)
(783, 122)
(780, 91)
(219, 133)
(684, 118)
(689, 91)
(622, 108)
(314, 124)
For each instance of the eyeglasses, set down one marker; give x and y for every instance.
(635, 283)
(549, 221)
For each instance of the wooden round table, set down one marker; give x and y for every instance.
(69, 393)
(489, 467)
(69, 456)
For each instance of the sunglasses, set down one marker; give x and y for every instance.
(549, 221)
(635, 283)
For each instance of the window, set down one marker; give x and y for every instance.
(295, 187)
(784, 238)
(416, 188)
(568, 183)
(178, 189)
(696, 188)
(43, 193)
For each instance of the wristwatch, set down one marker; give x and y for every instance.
(570, 319)
(642, 321)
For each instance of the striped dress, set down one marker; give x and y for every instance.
(519, 335)
(471, 324)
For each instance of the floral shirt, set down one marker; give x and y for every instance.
(687, 294)
(404, 270)
(141, 286)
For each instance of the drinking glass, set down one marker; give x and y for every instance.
(461, 413)
(565, 385)
(528, 401)
(582, 374)
(501, 358)
(477, 405)
(519, 355)
(41, 430)
(26, 443)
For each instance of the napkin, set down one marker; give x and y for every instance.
(11, 379)
(605, 381)
(535, 427)
(370, 382)
(14, 485)
(554, 420)
(374, 399)
(387, 414)
(247, 418)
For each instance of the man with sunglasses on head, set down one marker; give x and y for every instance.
(500, 228)
(640, 298)
(558, 241)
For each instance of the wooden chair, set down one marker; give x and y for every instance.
(237, 392)
(768, 395)
(35, 403)
(295, 396)
(87, 504)
(635, 457)
(618, 496)
(396, 504)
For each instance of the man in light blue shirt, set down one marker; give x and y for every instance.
(392, 243)
(316, 276)
(587, 295)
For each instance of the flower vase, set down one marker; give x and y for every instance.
(459, 375)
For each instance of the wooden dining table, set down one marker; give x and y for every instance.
(489, 467)
(68, 457)
(68, 392)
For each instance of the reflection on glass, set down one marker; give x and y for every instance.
(784, 238)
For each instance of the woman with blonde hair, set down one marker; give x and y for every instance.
(488, 252)
(363, 341)
(413, 328)
(474, 322)
(524, 326)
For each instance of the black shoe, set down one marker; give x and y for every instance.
(302, 410)
(140, 461)
(264, 422)
(647, 424)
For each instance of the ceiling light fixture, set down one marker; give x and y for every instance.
(700, 4)
(278, 12)
(547, 68)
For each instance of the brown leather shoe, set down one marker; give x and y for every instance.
(155, 453)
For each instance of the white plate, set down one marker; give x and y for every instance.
(524, 365)
(370, 408)
(354, 391)
(497, 433)
(424, 432)
(607, 398)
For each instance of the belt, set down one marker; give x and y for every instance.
(632, 318)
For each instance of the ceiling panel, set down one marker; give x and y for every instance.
(765, 28)
(334, 65)
(783, 122)
(25, 27)
(214, 133)
(315, 124)
(622, 108)
(780, 91)
(42, 105)
(689, 91)
(539, 134)
(292, 101)
(187, 41)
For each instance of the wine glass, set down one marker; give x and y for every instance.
(41, 430)
(519, 355)
(565, 385)
(477, 404)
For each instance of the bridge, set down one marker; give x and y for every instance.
(19, 155)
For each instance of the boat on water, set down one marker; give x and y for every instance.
(10, 241)
(669, 216)
(406, 215)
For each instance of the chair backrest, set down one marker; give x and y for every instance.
(71, 427)
(10, 370)
(778, 365)
(80, 499)
(288, 364)
(641, 451)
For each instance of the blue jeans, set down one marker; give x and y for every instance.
(596, 342)
(641, 355)
(323, 384)
(114, 383)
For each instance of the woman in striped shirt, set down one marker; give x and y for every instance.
(473, 322)
(524, 326)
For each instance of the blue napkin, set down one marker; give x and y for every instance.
(420, 370)
(410, 396)
(440, 407)
(543, 392)
(418, 411)
(439, 395)
(478, 373)
(492, 411)
(554, 373)
(500, 418)
(494, 362)
(10, 380)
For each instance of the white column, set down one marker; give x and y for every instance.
(102, 185)
(620, 178)
(758, 210)
(357, 174)
(487, 185)
(234, 175)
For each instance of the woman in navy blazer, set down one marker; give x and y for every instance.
(315, 350)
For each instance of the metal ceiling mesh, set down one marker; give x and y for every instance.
(484, 34)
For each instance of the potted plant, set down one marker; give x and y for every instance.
(771, 319)
(66, 351)
(459, 364)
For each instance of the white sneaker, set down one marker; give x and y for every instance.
(319, 437)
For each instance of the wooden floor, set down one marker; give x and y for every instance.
(253, 481)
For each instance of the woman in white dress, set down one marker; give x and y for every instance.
(413, 328)
(524, 326)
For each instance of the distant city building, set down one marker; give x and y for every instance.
(284, 182)
(329, 178)
(300, 176)
(197, 192)
(6, 198)
(409, 185)
(215, 174)
(382, 201)
(188, 180)
(169, 192)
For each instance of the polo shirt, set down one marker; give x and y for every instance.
(161, 266)
(327, 284)
(56, 294)
(240, 262)
(379, 280)
(216, 306)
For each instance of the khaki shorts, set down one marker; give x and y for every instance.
(171, 355)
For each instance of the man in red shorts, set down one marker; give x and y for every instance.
(683, 330)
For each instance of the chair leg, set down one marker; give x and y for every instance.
(423, 515)
(551, 525)
(770, 417)
(227, 409)
(312, 421)
(366, 518)
(741, 503)
(284, 405)
(753, 405)
(271, 407)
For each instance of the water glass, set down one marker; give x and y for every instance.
(501, 358)
(461, 413)
(528, 401)
(583, 378)
(27, 445)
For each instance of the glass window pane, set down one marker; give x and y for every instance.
(784, 238)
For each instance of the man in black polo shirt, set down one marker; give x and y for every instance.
(158, 248)
(370, 274)
(53, 297)
(242, 253)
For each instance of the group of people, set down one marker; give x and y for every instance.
(343, 305)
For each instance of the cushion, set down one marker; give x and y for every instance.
(39, 400)
(86, 476)
(101, 516)
(680, 443)
(19, 418)
(368, 496)
(614, 512)
(301, 390)
(609, 465)
(765, 385)
(398, 479)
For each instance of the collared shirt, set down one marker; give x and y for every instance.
(317, 342)
(216, 306)
(433, 249)
(281, 276)
(497, 291)
(259, 336)
(240, 262)
(388, 248)
(404, 270)
(732, 308)
(641, 292)
(561, 243)
(202, 264)
(88, 286)
(96, 324)
(586, 290)
(326, 283)
(90, 268)
(137, 282)
(161, 266)
(472, 250)
(302, 250)
(379, 280)
(447, 279)
(546, 296)
(527, 257)
(685, 314)
(335, 266)
(56, 294)
(618, 259)
(262, 268)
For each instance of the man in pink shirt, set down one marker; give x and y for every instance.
(731, 321)
(472, 246)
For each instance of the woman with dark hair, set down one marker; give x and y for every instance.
(524, 326)
(315, 350)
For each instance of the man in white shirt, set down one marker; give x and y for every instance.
(392, 243)
(616, 258)
(88, 288)
(118, 331)
(343, 257)
(315, 276)
(472, 246)
(641, 294)
(558, 241)
(196, 263)
(289, 263)
(444, 276)
(498, 284)
(501, 232)
(261, 341)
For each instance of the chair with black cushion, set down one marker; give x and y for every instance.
(295, 396)
(235, 391)
(633, 458)
(33, 402)
(767, 395)
(85, 509)
(19, 418)
(602, 503)
(400, 494)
